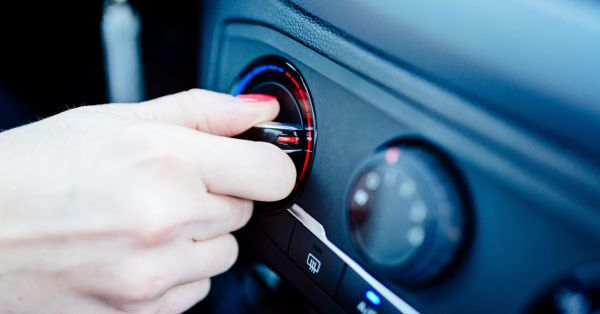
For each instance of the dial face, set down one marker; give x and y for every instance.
(389, 193)
(277, 77)
(405, 213)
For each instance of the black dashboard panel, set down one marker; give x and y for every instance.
(519, 126)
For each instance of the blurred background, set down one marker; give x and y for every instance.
(52, 54)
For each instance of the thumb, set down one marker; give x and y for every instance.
(205, 111)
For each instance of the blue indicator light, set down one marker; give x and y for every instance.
(256, 71)
(373, 297)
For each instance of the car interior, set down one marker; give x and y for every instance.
(447, 152)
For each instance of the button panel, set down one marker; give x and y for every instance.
(315, 259)
(344, 280)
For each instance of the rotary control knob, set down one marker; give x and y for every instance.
(294, 128)
(406, 213)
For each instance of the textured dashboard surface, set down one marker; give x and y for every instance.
(536, 62)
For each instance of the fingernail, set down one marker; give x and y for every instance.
(256, 98)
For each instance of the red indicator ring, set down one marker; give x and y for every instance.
(278, 77)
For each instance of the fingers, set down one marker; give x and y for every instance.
(151, 273)
(202, 110)
(212, 216)
(245, 169)
(228, 166)
(184, 262)
(250, 170)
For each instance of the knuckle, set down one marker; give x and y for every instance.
(138, 293)
(149, 223)
(154, 233)
(151, 213)
(161, 160)
(154, 236)
(139, 290)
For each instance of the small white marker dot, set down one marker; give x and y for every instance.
(415, 236)
(361, 197)
(372, 180)
(407, 188)
(418, 211)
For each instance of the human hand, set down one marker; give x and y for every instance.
(129, 208)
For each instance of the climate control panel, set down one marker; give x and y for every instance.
(450, 189)
(405, 209)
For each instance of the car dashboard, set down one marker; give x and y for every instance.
(447, 152)
(452, 154)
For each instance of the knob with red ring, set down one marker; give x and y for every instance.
(294, 129)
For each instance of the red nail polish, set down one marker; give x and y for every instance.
(256, 98)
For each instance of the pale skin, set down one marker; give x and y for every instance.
(130, 208)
